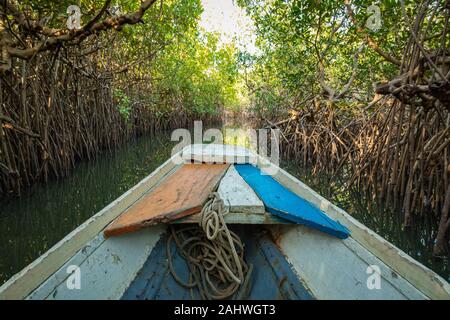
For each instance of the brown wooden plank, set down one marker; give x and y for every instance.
(181, 194)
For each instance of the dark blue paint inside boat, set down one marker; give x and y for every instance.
(272, 276)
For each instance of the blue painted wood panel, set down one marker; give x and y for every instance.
(284, 203)
(272, 276)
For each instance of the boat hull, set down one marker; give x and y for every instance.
(329, 268)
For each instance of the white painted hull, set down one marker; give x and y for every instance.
(329, 267)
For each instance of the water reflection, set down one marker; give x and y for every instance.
(238, 136)
(43, 215)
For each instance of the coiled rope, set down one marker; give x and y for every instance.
(214, 255)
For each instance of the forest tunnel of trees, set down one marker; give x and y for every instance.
(355, 90)
(65, 94)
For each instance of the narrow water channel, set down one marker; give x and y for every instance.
(44, 214)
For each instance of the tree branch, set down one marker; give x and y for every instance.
(99, 15)
(12, 125)
(60, 36)
(368, 39)
(330, 91)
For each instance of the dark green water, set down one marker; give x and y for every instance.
(44, 214)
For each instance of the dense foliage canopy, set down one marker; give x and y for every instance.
(165, 51)
(313, 46)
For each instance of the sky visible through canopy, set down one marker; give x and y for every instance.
(230, 21)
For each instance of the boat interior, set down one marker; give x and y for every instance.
(298, 245)
(272, 275)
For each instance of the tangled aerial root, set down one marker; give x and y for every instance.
(214, 254)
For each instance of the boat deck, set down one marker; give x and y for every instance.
(303, 263)
(272, 276)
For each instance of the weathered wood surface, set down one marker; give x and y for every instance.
(33, 275)
(106, 267)
(424, 279)
(217, 153)
(272, 277)
(362, 244)
(243, 204)
(181, 194)
(340, 269)
(239, 218)
(237, 194)
(286, 204)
